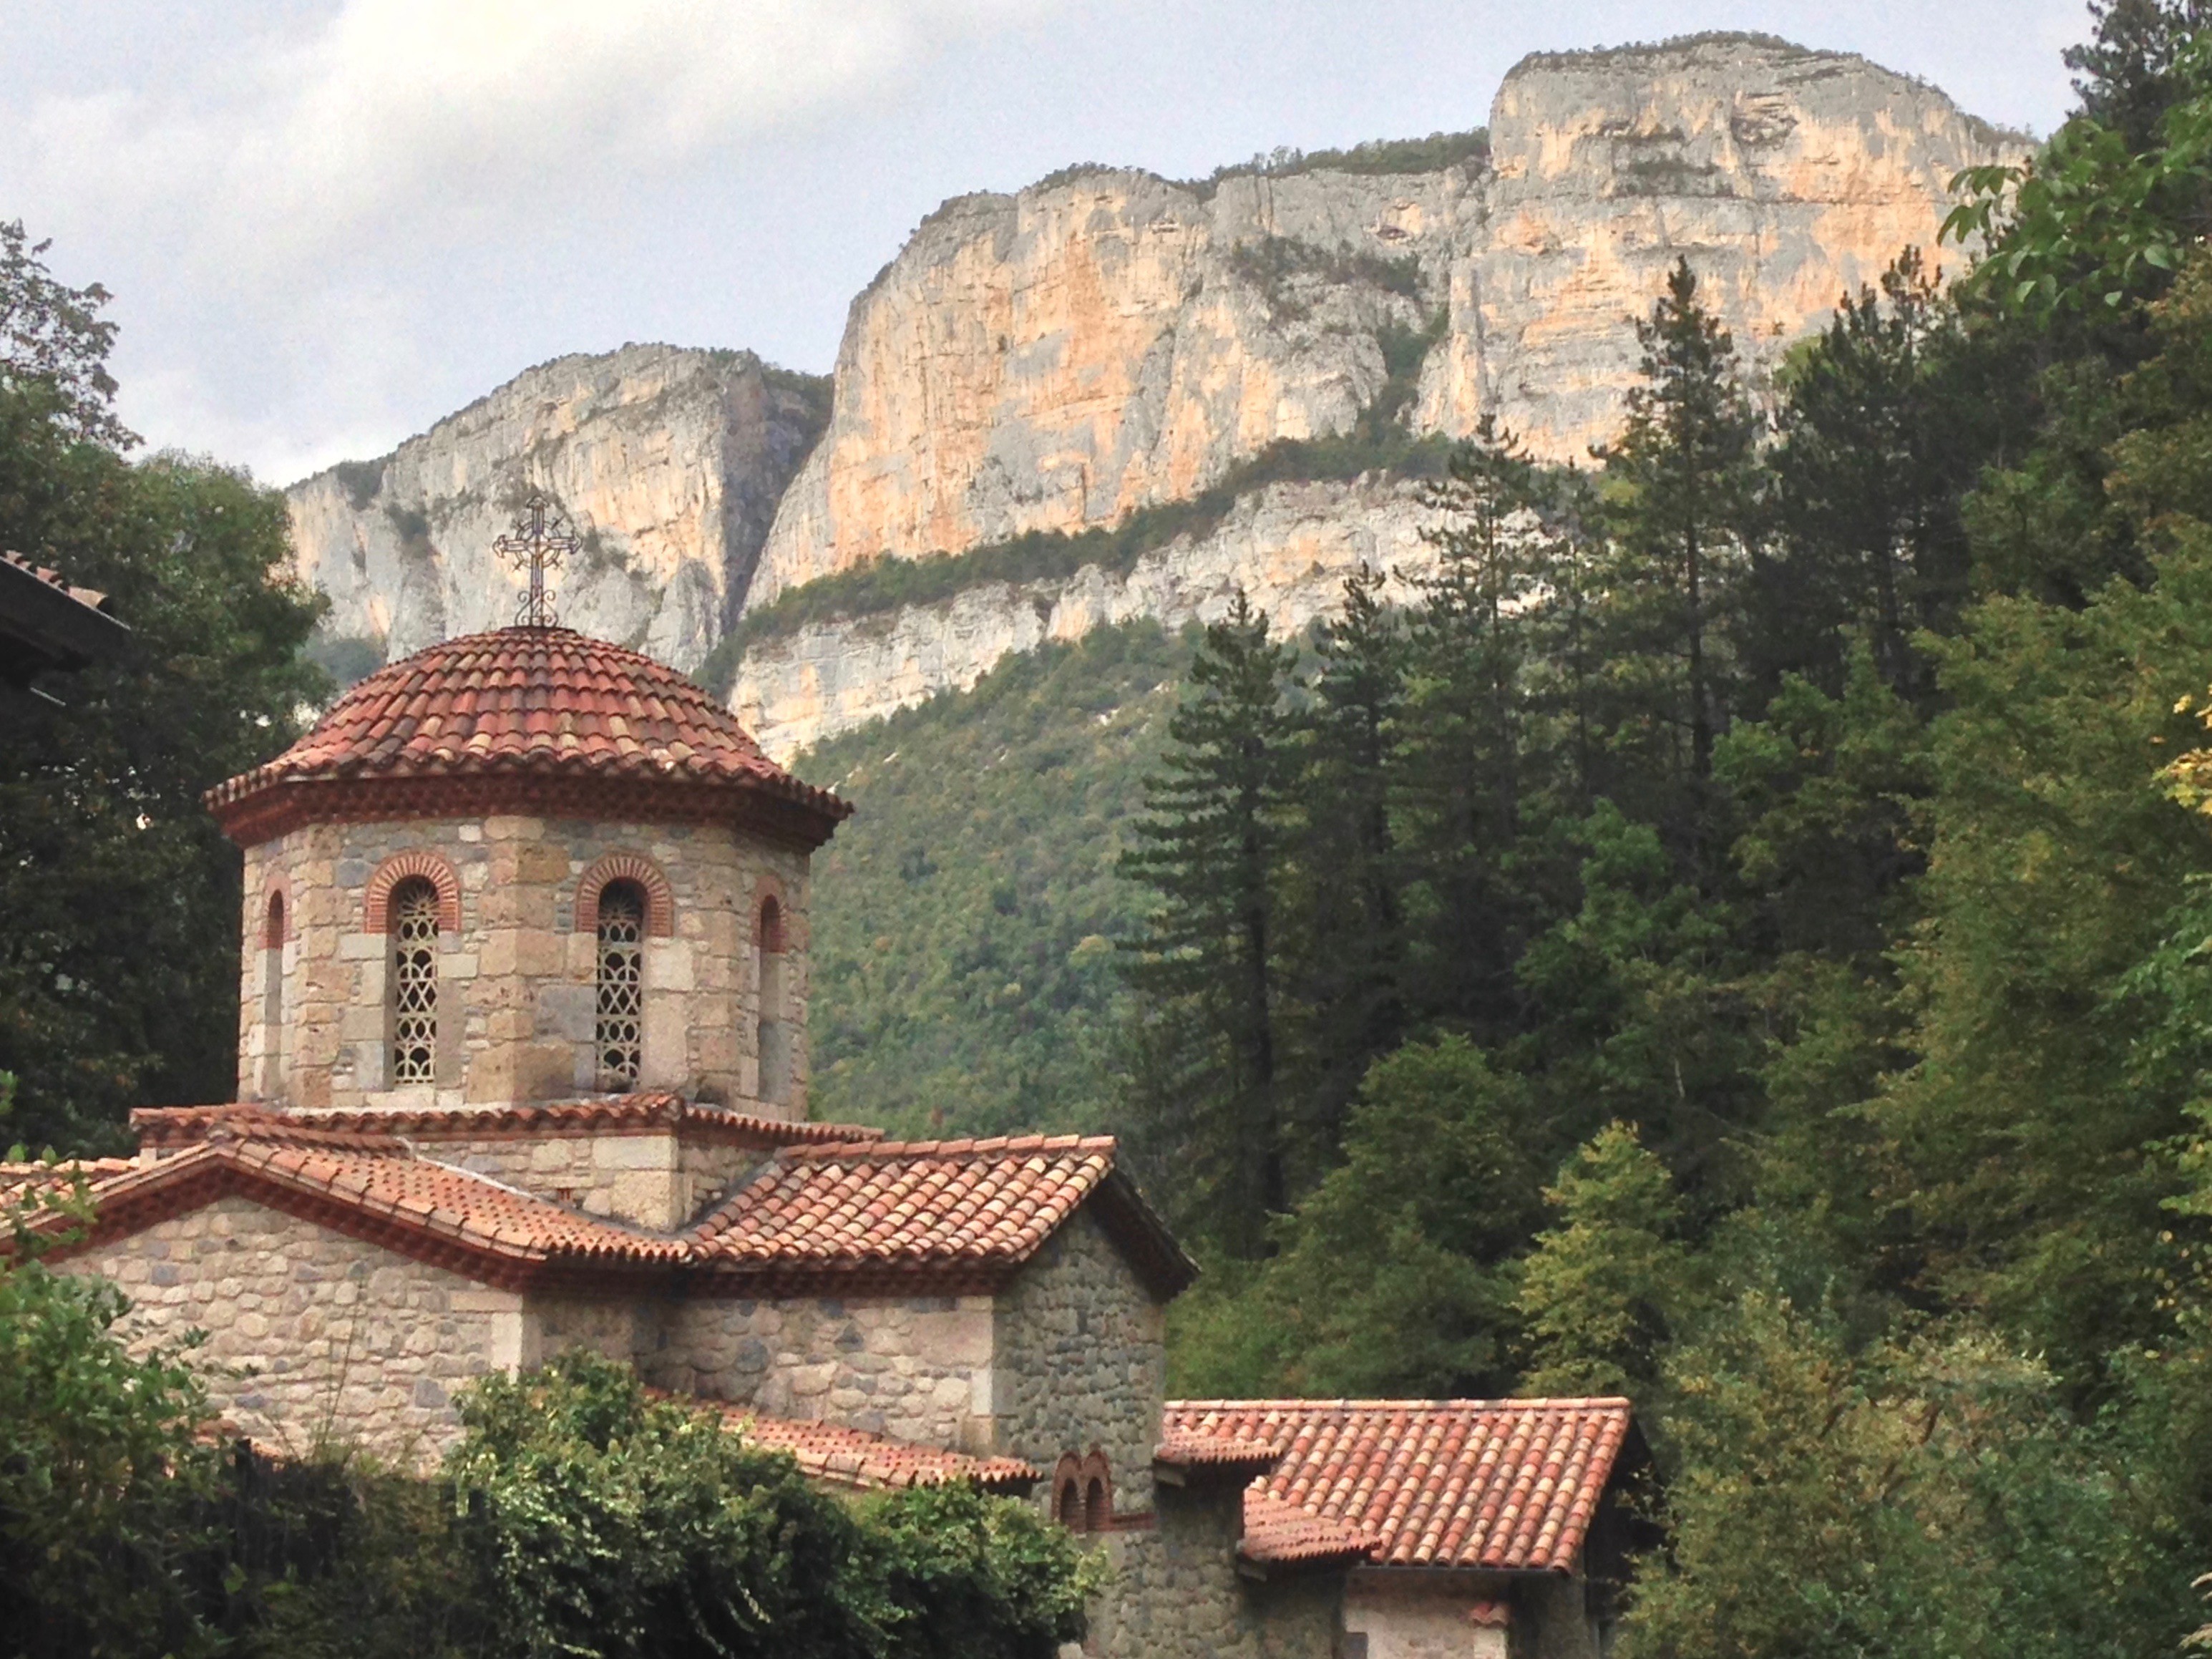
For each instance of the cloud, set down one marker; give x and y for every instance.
(451, 117)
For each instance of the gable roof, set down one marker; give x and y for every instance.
(373, 1187)
(938, 1218)
(1506, 1485)
(959, 1211)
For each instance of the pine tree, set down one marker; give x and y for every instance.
(1215, 847)
(1681, 485)
(1352, 942)
(1874, 457)
(1468, 646)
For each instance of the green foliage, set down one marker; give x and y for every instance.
(1602, 1290)
(1215, 847)
(1274, 264)
(118, 956)
(54, 345)
(1433, 154)
(1379, 442)
(1914, 1497)
(98, 1476)
(966, 919)
(1395, 1274)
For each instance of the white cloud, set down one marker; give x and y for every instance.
(451, 117)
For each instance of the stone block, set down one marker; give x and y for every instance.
(567, 1011)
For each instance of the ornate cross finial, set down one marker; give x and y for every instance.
(541, 535)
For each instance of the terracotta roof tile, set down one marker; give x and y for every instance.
(372, 1184)
(853, 1457)
(534, 702)
(175, 1126)
(19, 1182)
(1226, 1453)
(1279, 1531)
(91, 597)
(888, 1205)
(1509, 1485)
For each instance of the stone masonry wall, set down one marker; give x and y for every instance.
(517, 1012)
(311, 1333)
(655, 1179)
(1404, 1618)
(916, 1368)
(1079, 1362)
(1176, 1593)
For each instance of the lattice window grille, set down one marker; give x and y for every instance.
(413, 984)
(622, 986)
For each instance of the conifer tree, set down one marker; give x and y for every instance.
(1353, 943)
(1681, 483)
(1215, 847)
(1467, 649)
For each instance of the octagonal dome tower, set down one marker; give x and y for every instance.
(525, 866)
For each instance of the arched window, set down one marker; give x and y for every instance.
(414, 913)
(774, 1047)
(1067, 1494)
(1096, 1511)
(621, 983)
(272, 999)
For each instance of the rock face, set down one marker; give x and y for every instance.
(1289, 548)
(1053, 359)
(1786, 177)
(669, 462)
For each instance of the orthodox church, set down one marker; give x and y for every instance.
(523, 1066)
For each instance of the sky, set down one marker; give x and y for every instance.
(329, 222)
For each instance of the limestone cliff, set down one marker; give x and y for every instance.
(1289, 547)
(669, 462)
(1786, 177)
(1053, 359)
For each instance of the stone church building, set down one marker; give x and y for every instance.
(523, 1066)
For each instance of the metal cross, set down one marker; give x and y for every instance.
(541, 535)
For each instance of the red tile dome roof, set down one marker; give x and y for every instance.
(530, 720)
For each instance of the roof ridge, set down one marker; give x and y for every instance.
(964, 1146)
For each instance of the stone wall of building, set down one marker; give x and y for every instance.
(1176, 1592)
(517, 1016)
(1404, 1615)
(1080, 1361)
(312, 1335)
(655, 1178)
(916, 1368)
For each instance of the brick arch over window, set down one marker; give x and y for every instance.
(659, 897)
(376, 904)
(771, 916)
(1082, 1492)
(1068, 1492)
(277, 923)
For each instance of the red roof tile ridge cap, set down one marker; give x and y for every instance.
(1593, 1403)
(963, 1147)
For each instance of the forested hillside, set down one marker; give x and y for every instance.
(1741, 939)
(965, 919)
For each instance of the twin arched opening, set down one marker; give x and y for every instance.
(1082, 1492)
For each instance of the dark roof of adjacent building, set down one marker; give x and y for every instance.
(47, 625)
(538, 719)
(1501, 1485)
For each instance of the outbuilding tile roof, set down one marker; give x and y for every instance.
(539, 702)
(853, 1457)
(892, 1208)
(1508, 1484)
